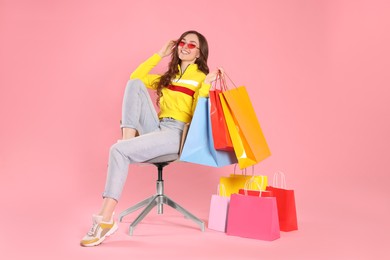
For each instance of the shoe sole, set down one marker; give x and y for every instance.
(109, 233)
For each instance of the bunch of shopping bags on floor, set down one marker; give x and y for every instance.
(246, 206)
(224, 130)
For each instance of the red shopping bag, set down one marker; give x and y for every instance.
(286, 203)
(265, 193)
(222, 140)
(253, 217)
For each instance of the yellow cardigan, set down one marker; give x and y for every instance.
(175, 104)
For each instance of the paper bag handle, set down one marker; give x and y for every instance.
(221, 187)
(224, 80)
(244, 170)
(275, 181)
(222, 83)
(214, 84)
(249, 181)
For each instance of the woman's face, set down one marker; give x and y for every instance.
(188, 48)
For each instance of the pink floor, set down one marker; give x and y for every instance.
(352, 227)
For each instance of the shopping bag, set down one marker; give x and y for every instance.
(199, 145)
(221, 137)
(242, 150)
(286, 203)
(260, 192)
(264, 193)
(252, 141)
(219, 205)
(245, 116)
(253, 217)
(234, 182)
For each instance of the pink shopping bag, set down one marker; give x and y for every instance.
(253, 217)
(219, 205)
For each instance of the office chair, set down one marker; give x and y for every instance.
(159, 199)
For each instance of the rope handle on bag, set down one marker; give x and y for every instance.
(224, 80)
(275, 181)
(214, 84)
(246, 186)
(224, 86)
(219, 188)
(244, 170)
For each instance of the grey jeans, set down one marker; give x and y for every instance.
(156, 137)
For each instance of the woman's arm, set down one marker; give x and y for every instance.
(204, 89)
(167, 48)
(212, 76)
(142, 71)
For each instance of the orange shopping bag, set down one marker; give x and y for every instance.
(247, 136)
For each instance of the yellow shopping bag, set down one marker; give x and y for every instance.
(234, 182)
(247, 136)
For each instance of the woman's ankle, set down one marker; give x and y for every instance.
(128, 133)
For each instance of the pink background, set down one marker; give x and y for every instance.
(318, 76)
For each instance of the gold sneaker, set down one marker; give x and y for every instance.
(99, 231)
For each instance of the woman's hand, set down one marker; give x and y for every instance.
(212, 76)
(167, 48)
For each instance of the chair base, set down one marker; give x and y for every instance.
(157, 200)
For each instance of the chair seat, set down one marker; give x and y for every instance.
(164, 158)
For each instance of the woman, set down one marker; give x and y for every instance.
(146, 134)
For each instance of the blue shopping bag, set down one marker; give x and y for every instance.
(199, 145)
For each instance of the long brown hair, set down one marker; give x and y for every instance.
(173, 70)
